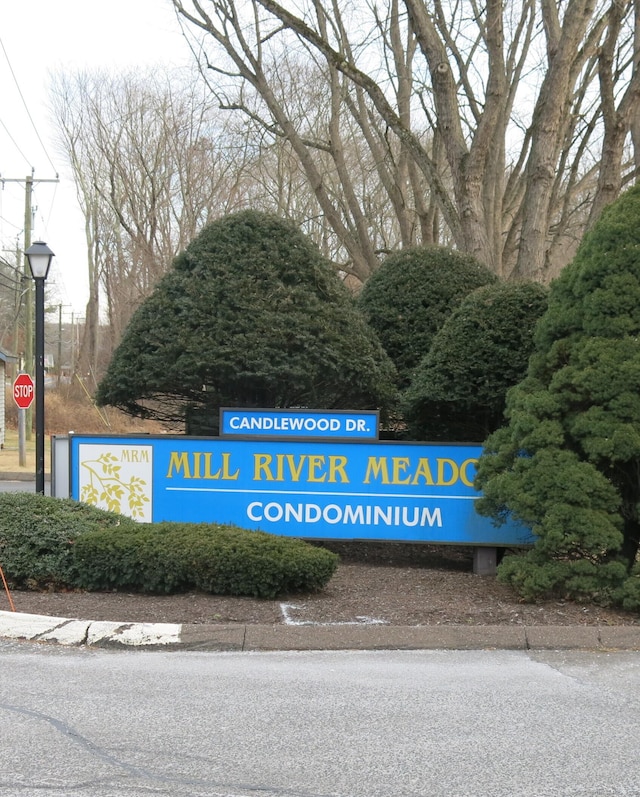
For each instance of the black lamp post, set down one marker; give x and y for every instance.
(39, 256)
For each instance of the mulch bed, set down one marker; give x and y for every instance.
(395, 584)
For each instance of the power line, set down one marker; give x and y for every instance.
(6, 221)
(8, 285)
(15, 144)
(46, 218)
(7, 276)
(26, 108)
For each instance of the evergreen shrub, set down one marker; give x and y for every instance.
(459, 388)
(566, 464)
(223, 560)
(250, 315)
(412, 294)
(134, 559)
(51, 542)
(37, 535)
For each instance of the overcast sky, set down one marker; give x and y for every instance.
(36, 38)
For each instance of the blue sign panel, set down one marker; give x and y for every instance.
(315, 490)
(318, 424)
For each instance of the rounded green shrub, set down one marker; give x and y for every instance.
(135, 558)
(412, 294)
(37, 535)
(52, 542)
(250, 315)
(232, 561)
(629, 594)
(459, 388)
(223, 560)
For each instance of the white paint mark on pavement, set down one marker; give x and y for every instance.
(286, 609)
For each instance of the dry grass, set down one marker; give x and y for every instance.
(67, 409)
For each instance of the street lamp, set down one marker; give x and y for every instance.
(39, 256)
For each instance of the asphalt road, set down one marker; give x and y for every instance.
(341, 724)
(21, 486)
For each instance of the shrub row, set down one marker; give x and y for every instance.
(222, 560)
(52, 542)
(37, 535)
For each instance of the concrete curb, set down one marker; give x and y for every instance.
(21, 476)
(73, 632)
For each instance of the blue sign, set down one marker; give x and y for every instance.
(306, 424)
(314, 490)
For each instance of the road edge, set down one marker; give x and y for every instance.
(247, 638)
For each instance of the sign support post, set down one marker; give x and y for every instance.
(22, 438)
(23, 395)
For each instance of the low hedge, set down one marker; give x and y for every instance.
(222, 560)
(37, 534)
(51, 542)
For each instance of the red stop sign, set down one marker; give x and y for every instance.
(23, 391)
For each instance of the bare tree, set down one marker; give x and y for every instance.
(11, 297)
(154, 160)
(501, 127)
(148, 158)
(344, 149)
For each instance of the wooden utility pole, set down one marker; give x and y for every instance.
(29, 363)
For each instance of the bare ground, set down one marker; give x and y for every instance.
(393, 584)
